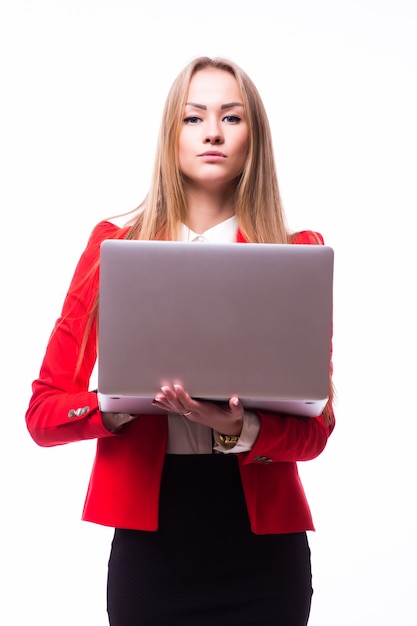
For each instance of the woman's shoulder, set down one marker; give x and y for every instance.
(311, 237)
(107, 229)
(89, 260)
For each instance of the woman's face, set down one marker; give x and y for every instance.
(213, 141)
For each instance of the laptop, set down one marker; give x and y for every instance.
(221, 319)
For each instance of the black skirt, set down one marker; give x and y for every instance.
(204, 566)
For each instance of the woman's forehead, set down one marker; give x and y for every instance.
(213, 85)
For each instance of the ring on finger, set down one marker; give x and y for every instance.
(186, 414)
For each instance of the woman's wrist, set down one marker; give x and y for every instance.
(114, 421)
(227, 441)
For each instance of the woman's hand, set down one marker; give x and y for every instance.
(114, 421)
(226, 419)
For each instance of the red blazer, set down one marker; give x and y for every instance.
(125, 480)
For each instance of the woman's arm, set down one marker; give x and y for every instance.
(288, 438)
(62, 409)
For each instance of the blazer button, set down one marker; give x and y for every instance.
(262, 459)
(81, 411)
(78, 412)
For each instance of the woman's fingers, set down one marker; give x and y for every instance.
(174, 398)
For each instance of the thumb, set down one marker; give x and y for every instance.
(236, 406)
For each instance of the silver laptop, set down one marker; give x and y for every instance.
(221, 319)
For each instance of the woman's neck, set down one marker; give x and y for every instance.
(206, 209)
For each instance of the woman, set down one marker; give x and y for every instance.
(209, 513)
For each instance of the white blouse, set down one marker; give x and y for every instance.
(185, 437)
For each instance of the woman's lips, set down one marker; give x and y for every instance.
(212, 155)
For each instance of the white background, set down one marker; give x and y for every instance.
(82, 86)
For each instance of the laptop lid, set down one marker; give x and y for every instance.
(248, 319)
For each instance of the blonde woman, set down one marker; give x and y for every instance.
(209, 513)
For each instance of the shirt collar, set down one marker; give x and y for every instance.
(225, 232)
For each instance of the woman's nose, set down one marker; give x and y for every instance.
(216, 139)
(213, 134)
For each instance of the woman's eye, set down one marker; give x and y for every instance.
(232, 119)
(192, 119)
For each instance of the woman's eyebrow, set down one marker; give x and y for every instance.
(229, 105)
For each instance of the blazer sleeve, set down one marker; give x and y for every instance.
(62, 409)
(289, 438)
